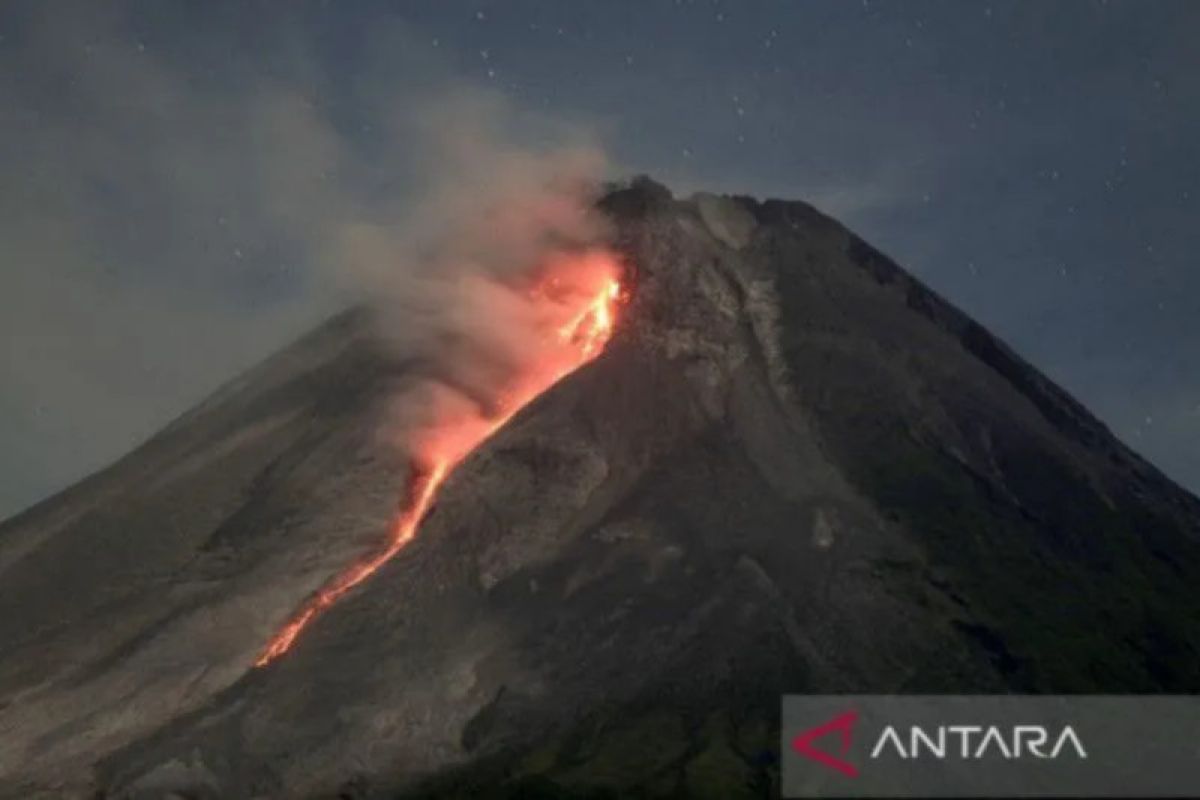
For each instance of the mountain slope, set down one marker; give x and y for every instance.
(793, 469)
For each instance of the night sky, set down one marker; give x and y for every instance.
(167, 167)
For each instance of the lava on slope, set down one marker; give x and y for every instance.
(578, 296)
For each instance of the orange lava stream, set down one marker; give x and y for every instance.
(405, 529)
(579, 340)
(592, 326)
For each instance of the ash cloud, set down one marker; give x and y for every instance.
(452, 275)
(179, 201)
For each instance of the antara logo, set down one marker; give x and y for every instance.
(967, 742)
(976, 741)
(843, 724)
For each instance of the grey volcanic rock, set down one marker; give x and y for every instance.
(794, 469)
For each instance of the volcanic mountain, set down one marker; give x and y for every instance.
(793, 468)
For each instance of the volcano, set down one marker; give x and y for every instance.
(789, 467)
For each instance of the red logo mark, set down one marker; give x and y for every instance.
(844, 724)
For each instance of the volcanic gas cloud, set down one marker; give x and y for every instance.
(562, 317)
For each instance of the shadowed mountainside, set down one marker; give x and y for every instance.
(794, 469)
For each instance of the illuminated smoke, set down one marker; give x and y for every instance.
(587, 323)
(497, 284)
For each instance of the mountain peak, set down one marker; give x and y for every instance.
(793, 468)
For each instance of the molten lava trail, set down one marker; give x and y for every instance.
(580, 339)
(406, 527)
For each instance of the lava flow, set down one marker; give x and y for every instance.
(579, 300)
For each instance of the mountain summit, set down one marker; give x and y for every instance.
(792, 469)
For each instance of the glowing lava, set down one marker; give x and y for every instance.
(590, 329)
(580, 297)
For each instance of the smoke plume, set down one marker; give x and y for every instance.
(177, 208)
(478, 277)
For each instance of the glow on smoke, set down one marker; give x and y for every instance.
(576, 298)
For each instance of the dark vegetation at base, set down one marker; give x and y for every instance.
(646, 751)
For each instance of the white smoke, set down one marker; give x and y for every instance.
(172, 215)
(451, 275)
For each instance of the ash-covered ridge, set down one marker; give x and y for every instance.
(793, 469)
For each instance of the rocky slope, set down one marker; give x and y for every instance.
(793, 469)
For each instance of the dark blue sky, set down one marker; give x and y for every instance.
(1037, 163)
